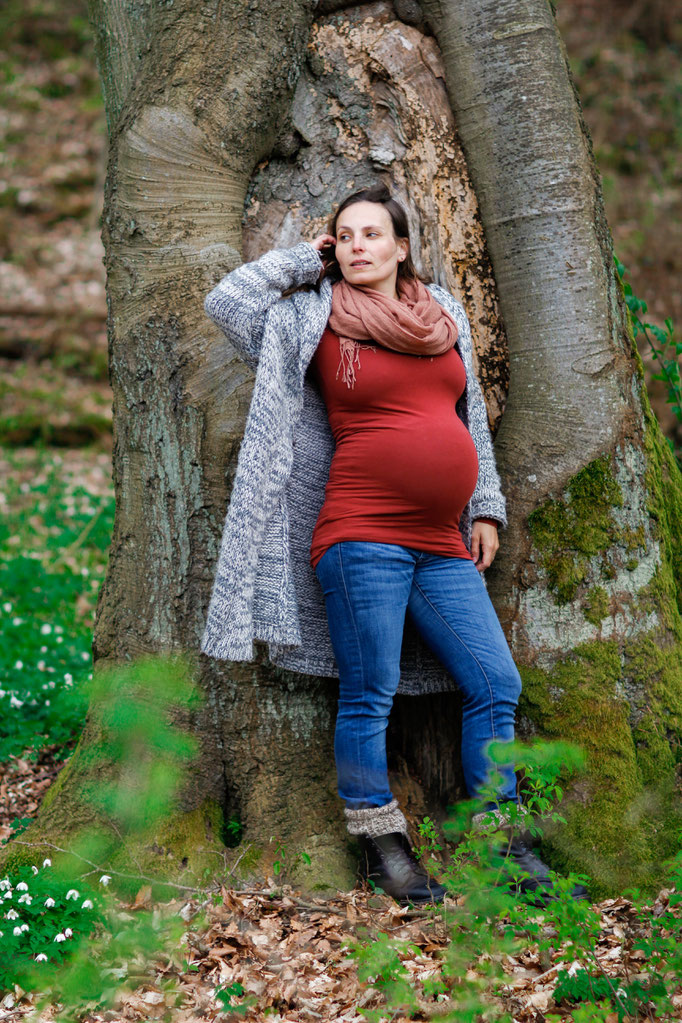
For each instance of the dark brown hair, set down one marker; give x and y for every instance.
(380, 194)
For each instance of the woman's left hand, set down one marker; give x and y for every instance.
(484, 544)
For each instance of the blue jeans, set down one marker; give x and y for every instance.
(368, 588)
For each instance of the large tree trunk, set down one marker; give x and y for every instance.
(222, 113)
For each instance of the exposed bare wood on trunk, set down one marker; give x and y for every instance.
(371, 104)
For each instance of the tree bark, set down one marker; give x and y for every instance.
(222, 136)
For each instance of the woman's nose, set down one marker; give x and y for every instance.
(357, 244)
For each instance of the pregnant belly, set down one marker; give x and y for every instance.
(426, 469)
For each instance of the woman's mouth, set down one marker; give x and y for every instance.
(360, 262)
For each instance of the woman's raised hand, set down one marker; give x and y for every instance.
(323, 241)
(324, 244)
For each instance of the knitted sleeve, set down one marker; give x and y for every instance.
(487, 500)
(239, 303)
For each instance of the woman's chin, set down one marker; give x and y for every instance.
(357, 275)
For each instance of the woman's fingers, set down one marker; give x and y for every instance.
(323, 240)
(484, 544)
(475, 545)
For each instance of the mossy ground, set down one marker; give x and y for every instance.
(181, 852)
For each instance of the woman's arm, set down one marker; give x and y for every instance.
(240, 302)
(487, 500)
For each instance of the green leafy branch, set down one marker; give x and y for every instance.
(664, 348)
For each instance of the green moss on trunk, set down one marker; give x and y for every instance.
(570, 532)
(624, 813)
(596, 605)
(620, 698)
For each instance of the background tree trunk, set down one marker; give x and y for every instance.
(223, 113)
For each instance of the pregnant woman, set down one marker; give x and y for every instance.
(395, 508)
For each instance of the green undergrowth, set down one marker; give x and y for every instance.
(137, 772)
(491, 921)
(123, 779)
(54, 540)
(45, 919)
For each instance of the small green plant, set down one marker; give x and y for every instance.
(664, 348)
(578, 984)
(43, 919)
(542, 766)
(280, 862)
(226, 997)
(380, 965)
(430, 839)
(569, 929)
(233, 830)
(17, 827)
(600, 1012)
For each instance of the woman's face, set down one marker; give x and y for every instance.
(367, 250)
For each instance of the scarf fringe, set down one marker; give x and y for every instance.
(350, 356)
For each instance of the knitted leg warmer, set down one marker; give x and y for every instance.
(376, 820)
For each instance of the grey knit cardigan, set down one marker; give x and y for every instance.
(264, 586)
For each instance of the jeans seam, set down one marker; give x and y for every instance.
(469, 651)
(358, 752)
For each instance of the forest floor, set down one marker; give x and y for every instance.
(271, 952)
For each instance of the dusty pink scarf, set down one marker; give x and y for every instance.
(415, 323)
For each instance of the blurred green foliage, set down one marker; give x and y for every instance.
(143, 752)
(54, 540)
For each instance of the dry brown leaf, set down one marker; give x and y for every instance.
(153, 997)
(541, 999)
(143, 899)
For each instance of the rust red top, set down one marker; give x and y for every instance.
(405, 465)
